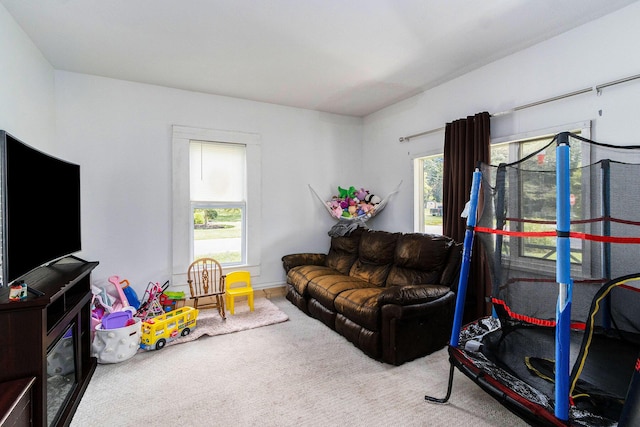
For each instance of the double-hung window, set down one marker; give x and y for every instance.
(217, 173)
(216, 199)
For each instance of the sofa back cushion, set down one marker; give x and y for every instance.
(344, 251)
(375, 256)
(420, 259)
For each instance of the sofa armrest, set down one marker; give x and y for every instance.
(294, 260)
(411, 294)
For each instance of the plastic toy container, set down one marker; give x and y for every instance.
(116, 345)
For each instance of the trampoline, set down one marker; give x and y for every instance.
(561, 232)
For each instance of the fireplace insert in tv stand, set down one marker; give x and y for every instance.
(48, 337)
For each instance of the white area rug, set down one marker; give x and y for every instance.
(210, 323)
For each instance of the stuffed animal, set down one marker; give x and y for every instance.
(344, 193)
(366, 207)
(361, 194)
(334, 207)
(353, 203)
(372, 199)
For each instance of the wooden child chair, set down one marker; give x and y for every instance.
(242, 282)
(206, 281)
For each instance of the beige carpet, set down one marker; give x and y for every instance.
(295, 373)
(210, 323)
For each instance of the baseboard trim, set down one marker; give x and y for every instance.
(272, 292)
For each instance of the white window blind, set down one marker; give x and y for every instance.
(217, 171)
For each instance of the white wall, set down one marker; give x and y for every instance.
(121, 132)
(26, 88)
(595, 53)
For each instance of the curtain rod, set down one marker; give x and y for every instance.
(598, 88)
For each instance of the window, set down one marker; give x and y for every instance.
(429, 194)
(428, 191)
(218, 201)
(212, 194)
(537, 201)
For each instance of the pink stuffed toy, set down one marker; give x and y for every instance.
(366, 207)
(334, 206)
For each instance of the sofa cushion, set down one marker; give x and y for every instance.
(361, 306)
(375, 257)
(344, 251)
(325, 289)
(299, 277)
(419, 259)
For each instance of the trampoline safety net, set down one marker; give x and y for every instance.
(518, 226)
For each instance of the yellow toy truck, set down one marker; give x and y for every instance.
(159, 330)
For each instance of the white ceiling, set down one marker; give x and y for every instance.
(350, 57)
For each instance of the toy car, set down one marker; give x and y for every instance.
(159, 330)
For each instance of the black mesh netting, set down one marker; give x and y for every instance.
(517, 226)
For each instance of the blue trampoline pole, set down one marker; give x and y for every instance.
(466, 259)
(563, 277)
(454, 341)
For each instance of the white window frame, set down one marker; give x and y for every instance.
(182, 208)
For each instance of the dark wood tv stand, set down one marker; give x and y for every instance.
(30, 329)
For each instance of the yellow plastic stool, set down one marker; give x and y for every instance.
(235, 278)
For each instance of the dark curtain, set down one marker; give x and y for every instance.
(466, 142)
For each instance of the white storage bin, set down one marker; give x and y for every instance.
(116, 345)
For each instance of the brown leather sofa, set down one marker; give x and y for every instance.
(390, 294)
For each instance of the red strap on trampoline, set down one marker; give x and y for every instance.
(574, 234)
(533, 320)
(607, 239)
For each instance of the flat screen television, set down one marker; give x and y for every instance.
(40, 208)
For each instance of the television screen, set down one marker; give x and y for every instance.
(40, 208)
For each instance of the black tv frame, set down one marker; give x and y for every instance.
(39, 208)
